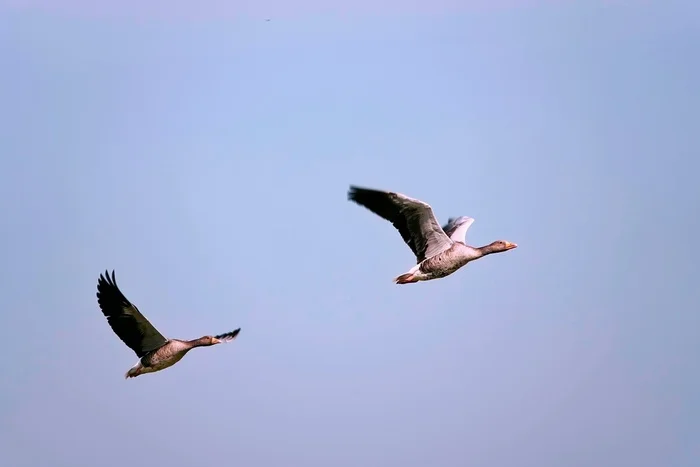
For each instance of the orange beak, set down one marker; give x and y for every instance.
(510, 246)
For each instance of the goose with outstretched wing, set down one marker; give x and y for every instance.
(155, 351)
(439, 251)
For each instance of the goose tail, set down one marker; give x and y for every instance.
(407, 278)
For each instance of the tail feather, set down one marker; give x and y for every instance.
(405, 278)
(133, 372)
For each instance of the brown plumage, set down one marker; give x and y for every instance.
(439, 251)
(155, 352)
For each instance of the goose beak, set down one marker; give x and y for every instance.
(216, 341)
(510, 246)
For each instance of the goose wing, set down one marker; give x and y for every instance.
(229, 336)
(126, 320)
(456, 228)
(413, 219)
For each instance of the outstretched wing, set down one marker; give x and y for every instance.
(229, 336)
(456, 228)
(126, 320)
(413, 219)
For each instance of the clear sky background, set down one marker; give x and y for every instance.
(205, 155)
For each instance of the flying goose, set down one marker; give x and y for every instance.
(155, 351)
(439, 251)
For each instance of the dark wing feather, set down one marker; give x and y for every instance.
(229, 335)
(450, 226)
(413, 219)
(456, 228)
(125, 319)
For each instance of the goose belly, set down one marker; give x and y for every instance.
(443, 264)
(162, 358)
(157, 364)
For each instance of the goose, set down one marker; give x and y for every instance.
(155, 351)
(439, 251)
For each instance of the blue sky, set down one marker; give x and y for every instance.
(207, 161)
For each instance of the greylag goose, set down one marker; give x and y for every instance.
(155, 352)
(439, 251)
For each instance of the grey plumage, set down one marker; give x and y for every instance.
(456, 228)
(155, 351)
(439, 251)
(413, 219)
(453, 223)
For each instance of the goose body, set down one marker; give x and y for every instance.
(155, 351)
(164, 357)
(439, 251)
